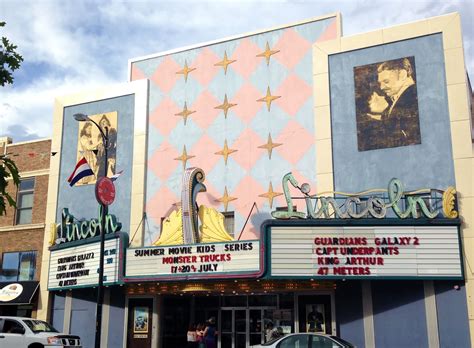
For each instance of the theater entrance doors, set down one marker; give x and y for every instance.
(242, 327)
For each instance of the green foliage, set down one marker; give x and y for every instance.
(8, 169)
(10, 60)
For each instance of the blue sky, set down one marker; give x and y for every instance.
(70, 46)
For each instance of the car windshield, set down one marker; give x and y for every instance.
(341, 341)
(39, 326)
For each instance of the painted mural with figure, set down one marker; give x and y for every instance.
(182, 225)
(91, 147)
(387, 104)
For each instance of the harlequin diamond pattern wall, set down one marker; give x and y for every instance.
(242, 110)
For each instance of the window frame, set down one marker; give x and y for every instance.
(18, 266)
(21, 192)
(229, 215)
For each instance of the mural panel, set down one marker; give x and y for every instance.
(386, 104)
(91, 147)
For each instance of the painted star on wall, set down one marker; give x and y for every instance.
(225, 62)
(270, 195)
(185, 71)
(185, 113)
(184, 157)
(267, 53)
(269, 98)
(270, 145)
(225, 106)
(225, 152)
(225, 199)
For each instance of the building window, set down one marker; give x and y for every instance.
(229, 222)
(24, 211)
(18, 266)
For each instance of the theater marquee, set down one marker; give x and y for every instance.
(76, 265)
(371, 251)
(197, 261)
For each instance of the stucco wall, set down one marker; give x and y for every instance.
(250, 170)
(81, 200)
(426, 165)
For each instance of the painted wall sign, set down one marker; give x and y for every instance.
(77, 266)
(375, 203)
(365, 251)
(70, 229)
(197, 261)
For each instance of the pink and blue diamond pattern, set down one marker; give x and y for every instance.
(249, 171)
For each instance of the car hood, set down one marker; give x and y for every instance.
(56, 334)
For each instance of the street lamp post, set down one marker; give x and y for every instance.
(103, 213)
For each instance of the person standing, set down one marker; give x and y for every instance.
(268, 332)
(200, 335)
(210, 333)
(192, 336)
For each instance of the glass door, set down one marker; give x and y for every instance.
(233, 328)
(256, 326)
(242, 327)
(226, 331)
(240, 336)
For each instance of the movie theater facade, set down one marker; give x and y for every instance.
(291, 178)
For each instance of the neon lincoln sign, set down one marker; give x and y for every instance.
(70, 229)
(360, 205)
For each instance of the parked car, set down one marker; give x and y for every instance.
(33, 333)
(306, 340)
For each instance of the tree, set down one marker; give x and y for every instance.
(10, 61)
(8, 169)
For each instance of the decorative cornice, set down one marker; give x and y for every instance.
(39, 172)
(16, 228)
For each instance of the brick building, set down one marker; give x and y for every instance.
(22, 228)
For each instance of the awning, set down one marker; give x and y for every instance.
(17, 293)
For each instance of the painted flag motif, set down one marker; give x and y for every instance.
(116, 175)
(81, 171)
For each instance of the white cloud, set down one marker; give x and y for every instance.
(32, 107)
(85, 44)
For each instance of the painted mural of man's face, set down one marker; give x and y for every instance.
(391, 81)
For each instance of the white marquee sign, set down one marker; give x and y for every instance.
(78, 266)
(373, 251)
(196, 261)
